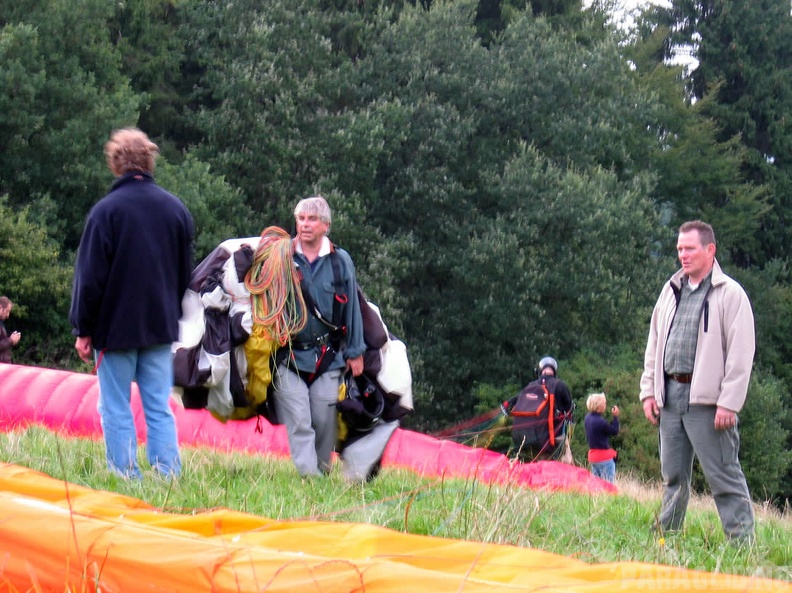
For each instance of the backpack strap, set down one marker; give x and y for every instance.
(336, 326)
(340, 298)
(310, 303)
(551, 412)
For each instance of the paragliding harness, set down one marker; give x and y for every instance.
(536, 422)
(361, 404)
(330, 344)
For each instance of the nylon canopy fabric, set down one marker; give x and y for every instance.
(58, 536)
(65, 402)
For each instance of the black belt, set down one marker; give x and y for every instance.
(680, 378)
(320, 341)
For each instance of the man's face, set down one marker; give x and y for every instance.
(5, 312)
(310, 228)
(696, 259)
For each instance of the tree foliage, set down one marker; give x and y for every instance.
(38, 284)
(742, 84)
(218, 209)
(745, 75)
(67, 93)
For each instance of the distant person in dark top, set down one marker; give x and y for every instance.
(598, 432)
(133, 266)
(531, 434)
(7, 341)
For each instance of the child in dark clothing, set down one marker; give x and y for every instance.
(598, 430)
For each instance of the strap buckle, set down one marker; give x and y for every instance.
(316, 343)
(683, 378)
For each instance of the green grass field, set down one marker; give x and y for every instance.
(593, 528)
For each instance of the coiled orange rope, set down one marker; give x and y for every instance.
(276, 299)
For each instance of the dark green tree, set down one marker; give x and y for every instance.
(745, 71)
(699, 173)
(65, 93)
(531, 284)
(454, 116)
(742, 87)
(147, 35)
(269, 84)
(39, 284)
(218, 209)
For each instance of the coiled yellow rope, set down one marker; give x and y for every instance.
(276, 299)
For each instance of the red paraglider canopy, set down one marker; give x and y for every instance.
(65, 402)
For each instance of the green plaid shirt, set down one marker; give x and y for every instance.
(680, 351)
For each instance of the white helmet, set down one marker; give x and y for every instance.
(548, 361)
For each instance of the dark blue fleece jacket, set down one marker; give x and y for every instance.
(133, 266)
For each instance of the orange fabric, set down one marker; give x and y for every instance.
(56, 536)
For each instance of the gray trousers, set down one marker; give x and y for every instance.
(310, 417)
(687, 430)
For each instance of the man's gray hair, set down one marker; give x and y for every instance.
(314, 205)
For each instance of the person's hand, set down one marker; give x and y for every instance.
(651, 410)
(724, 419)
(14, 337)
(84, 348)
(615, 411)
(355, 365)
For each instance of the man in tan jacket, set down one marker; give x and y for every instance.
(697, 368)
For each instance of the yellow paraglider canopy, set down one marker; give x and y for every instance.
(58, 536)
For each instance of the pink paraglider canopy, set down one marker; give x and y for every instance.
(65, 402)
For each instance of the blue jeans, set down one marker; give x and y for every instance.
(605, 470)
(152, 368)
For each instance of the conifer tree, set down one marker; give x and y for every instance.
(745, 75)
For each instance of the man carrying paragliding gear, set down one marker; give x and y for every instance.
(307, 381)
(540, 414)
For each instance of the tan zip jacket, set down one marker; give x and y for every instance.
(725, 349)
